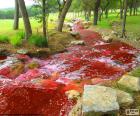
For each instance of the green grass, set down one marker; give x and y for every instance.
(4, 39)
(132, 25)
(38, 41)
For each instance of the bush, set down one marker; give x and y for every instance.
(38, 41)
(4, 39)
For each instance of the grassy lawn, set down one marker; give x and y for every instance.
(133, 23)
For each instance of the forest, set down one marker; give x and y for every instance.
(70, 58)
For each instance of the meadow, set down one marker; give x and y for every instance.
(132, 24)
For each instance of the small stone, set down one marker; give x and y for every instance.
(72, 94)
(131, 82)
(124, 98)
(99, 100)
(22, 51)
(78, 42)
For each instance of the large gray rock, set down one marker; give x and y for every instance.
(130, 82)
(124, 98)
(99, 100)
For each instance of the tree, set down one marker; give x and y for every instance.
(63, 14)
(124, 19)
(27, 25)
(96, 9)
(16, 16)
(44, 17)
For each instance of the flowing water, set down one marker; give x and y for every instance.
(42, 90)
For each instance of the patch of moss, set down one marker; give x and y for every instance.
(135, 72)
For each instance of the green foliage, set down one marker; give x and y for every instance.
(38, 41)
(4, 39)
(21, 34)
(17, 39)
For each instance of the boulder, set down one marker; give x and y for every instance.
(107, 38)
(78, 42)
(124, 98)
(131, 82)
(98, 100)
(76, 35)
(59, 41)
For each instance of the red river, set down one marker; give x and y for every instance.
(41, 91)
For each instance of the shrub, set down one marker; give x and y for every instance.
(38, 41)
(4, 39)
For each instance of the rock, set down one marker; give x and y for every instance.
(124, 98)
(131, 82)
(78, 42)
(59, 41)
(8, 62)
(108, 38)
(76, 35)
(40, 52)
(99, 100)
(114, 33)
(33, 65)
(16, 70)
(72, 94)
(4, 52)
(22, 51)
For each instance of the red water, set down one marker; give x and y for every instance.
(93, 63)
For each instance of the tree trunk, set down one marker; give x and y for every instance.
(16, 16)
(106, 13)
(27, 25)
(124, 19)
(96, 9)
(121, 9)
(44, 17)
(63, 14)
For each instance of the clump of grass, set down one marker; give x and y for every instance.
(21, 34)
(38, 41)
(17, 39)
(4, 39)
